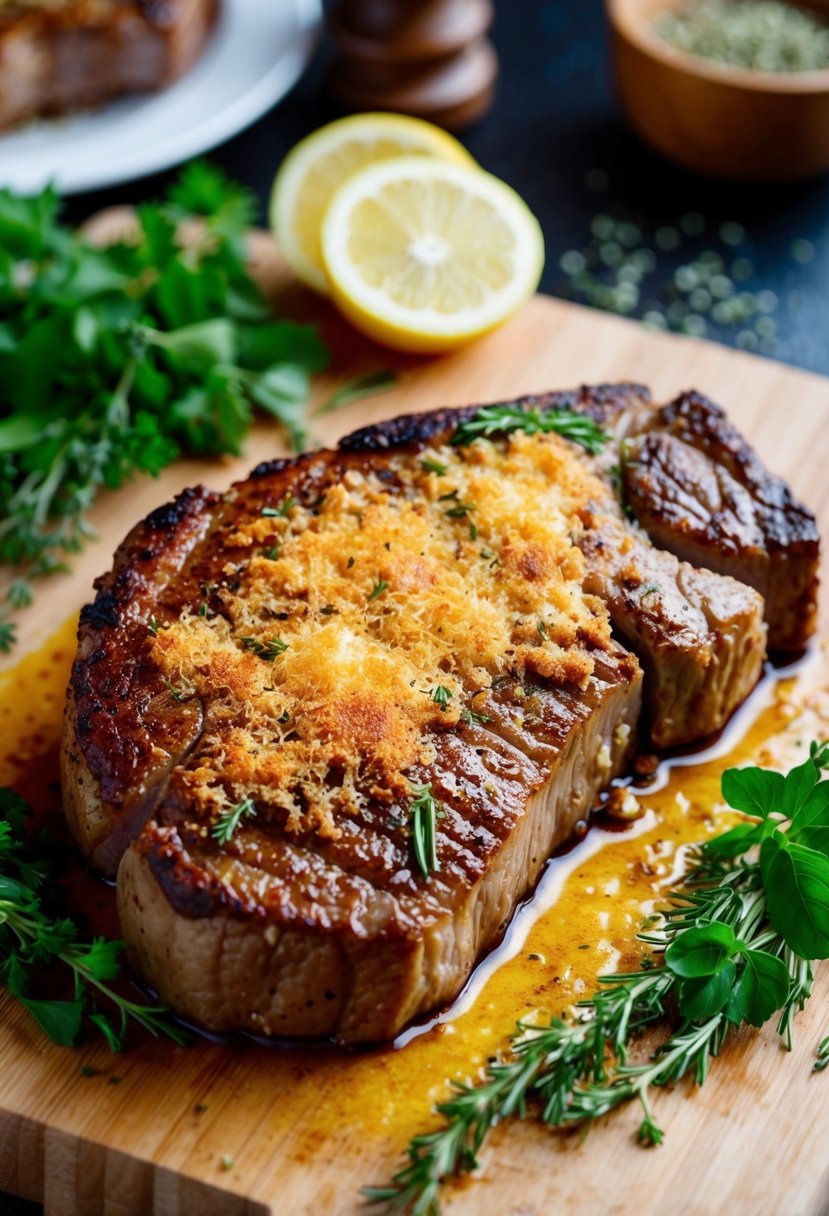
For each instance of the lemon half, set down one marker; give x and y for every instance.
(424, 255)
(320, 163)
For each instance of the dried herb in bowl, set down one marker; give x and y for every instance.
(758, 35)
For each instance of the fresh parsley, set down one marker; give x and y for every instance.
(228, 821)
(424, 812)
(502, 419)
(34, 935)
(737, 947)
(441, 696)
(114, 361)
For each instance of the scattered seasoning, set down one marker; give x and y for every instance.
(461, 510)
(114, 1081)
(618, 270)
(281, 511)
(203, 609)
(433, 466)
(758, 35)
(349, 563)
(177, 694)
(380, 586)
(228, 821)
(268, 650)
(542, 630)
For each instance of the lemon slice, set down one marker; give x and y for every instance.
(320, 163)
(423, 256)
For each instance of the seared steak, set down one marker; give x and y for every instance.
(268, 682)
(699, 490)
(59, 55)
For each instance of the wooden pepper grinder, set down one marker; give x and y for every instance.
(430, 58)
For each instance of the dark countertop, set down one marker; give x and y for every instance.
(555, 135)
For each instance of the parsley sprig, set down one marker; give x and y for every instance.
(501, 419)
(34, 936)
(115, 361)
(737, 946)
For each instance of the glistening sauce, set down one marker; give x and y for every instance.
(581, 922)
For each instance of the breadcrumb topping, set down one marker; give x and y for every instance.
(345, 615)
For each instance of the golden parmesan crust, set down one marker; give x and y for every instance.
(391, 583)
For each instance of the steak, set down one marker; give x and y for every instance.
(62, 55)
(277, 688)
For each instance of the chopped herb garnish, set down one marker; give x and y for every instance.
(471, 717)
(152, 625)
(380, 586)
(433, 466)
(271, 553)
(178, 694)
(203, 609)
(650, 589)
(542, 630)
(282, 510)
(35, 935)
(502, 419)
(441, 695)
(822, 1054)
(473, 532)
(737, 943)
(226, 1162)
(267, 650)
(423, 819)
(449, 495)
(284, 717)
(228, 821)
(349, 563)
(461, 510)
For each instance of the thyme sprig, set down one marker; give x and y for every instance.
(501, 419)
(730, 947)
(34, 935)
(228, 821)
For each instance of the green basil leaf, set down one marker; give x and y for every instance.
(755, 791)
(734, 842)
(704, 996)
(810, 825)
(798, 784)
(761, 989)
(701, 951)
(796, 881)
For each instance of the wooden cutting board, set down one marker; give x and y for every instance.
(753, 1140)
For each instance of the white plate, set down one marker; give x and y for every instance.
(255, 54)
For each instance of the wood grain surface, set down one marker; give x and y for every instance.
(752, 1141)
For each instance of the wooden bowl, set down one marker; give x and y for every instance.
(721, 121)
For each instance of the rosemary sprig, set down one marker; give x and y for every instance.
(424, 811)
(501, 419)
(730, 946)
(34, 935)
(267, 650)
(228, 821)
